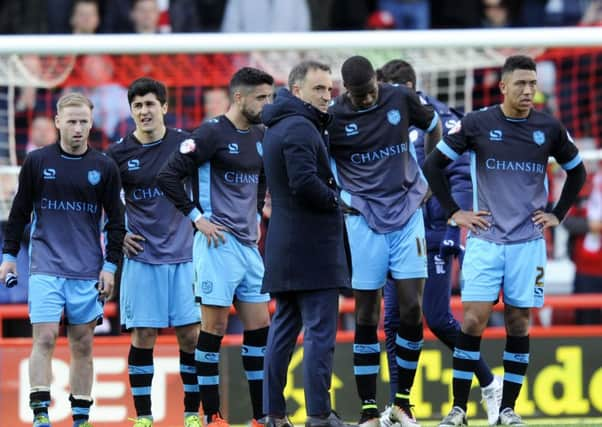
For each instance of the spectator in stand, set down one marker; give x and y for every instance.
(243, 16)
(42, 132)
(564, 12)
(26, 97)
(584, 224)
(593, 14)
(108, 96)
(215, 102)
(501, 13)
(179, 16)
(29, 103)
(496, 14)
(85, 17)
(145, 16)
(408, 14)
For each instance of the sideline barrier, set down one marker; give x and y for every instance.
(564, 377)
(564, 380)
(347, 305)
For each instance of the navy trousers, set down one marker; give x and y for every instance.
(317, 313)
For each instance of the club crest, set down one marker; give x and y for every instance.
(259, 148)
(94, 177)
(394, 117)
(539, 137)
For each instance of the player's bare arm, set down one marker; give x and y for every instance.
(106, 284)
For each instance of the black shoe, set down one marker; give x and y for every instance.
(332, 420)
(369, 418)
(271, 421)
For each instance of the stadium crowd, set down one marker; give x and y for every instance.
(164, 16)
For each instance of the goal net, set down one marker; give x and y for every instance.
(460, 68)
(20, 76)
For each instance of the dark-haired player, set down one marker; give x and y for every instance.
(442, 243)
(156, 282)
(510, 144)
(224, 158)
(67, 186)
(375, 167)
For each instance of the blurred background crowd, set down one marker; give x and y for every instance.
(164, 16)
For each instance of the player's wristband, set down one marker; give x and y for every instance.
(9, 258)
(195, 214)
(109, 267)
(450, 220)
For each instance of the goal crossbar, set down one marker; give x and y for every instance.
(243, 42)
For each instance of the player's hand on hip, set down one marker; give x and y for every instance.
(545, 219)
(5, 268)
(132, 245)
(106, 284)
(474, 221)
(213, 232)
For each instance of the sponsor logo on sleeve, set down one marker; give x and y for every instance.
(187, 146)
(457, 128)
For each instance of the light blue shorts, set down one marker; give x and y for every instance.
(518, 269)
(230, 270)
(373, 255)
(49, 296)
(157, 295)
